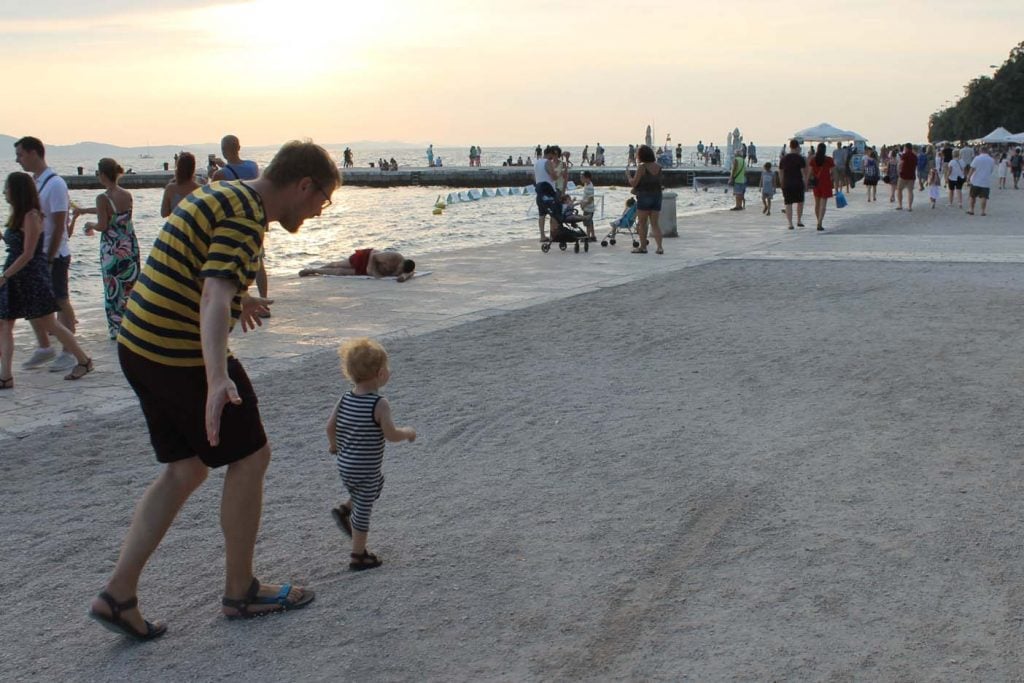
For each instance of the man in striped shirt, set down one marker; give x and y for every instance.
(199, 405)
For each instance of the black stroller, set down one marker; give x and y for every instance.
(565, 228)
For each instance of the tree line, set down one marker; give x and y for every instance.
(987, 103)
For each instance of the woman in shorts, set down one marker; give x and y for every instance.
(646, 184)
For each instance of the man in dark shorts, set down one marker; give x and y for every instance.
(199, 405)
(1016, 163)
(793, 168)
(373, 262)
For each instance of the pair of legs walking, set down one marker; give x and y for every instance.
(44, 326)
(241, 506)
(799, 214)
(643, 218)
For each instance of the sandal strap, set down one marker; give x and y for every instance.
(242, 604)
(117, 607)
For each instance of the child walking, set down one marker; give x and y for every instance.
(934, 188)
(767, 189)
(356, 431)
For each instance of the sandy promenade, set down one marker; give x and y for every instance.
(765, 456)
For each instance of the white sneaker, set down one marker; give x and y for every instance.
(39, 358)
(65, 361)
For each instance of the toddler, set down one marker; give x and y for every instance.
(628, 216)
(767, 189)
(933, 186)
(356, 431)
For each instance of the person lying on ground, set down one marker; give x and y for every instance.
(368, 262)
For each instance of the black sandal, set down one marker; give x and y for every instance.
(252, 597)
(115, 623)
(80, 370)
(7, 383)
(343, 518)
(365, 561)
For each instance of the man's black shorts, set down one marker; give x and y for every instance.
(793, 194)
(59, 276)
(173, 399)
(977, 192)
(546, 197)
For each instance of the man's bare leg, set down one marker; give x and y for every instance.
(332, 268)
(154, 514)
(240, 509)
(42, 339)
(66, 314)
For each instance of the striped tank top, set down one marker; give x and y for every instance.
(360, 439)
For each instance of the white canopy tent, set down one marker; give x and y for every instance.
(826, 132)
(1018, 138)
(1000, 136)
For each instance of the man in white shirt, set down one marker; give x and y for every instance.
(979, 175)
(53, 200)
(967, 156)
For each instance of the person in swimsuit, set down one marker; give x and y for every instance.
(368, 262)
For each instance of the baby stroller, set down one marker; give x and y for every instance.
(565, 228)
(623, 224)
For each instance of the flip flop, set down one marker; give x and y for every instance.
(116, 624)
(252, 597)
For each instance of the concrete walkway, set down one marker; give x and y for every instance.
(313, 314)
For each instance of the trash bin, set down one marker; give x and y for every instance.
(81, 170)
(167, 166)
(667, 217)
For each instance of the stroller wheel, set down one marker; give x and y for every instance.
(636, 245)
(586, 247)
(604, 243)
(611, 242)
(576, 247)
(561, 245)
(545, 247)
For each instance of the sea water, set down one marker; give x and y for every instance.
(398, 218)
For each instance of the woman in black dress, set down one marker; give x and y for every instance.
(25, 289)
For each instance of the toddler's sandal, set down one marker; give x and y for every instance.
(366, 560)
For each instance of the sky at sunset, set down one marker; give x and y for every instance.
(454, 72)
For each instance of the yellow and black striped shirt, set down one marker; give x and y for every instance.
(217, 231)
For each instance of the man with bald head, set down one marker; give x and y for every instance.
(234, 167)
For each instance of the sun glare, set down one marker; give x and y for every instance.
(297, 41)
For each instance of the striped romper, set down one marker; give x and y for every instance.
(360, 454)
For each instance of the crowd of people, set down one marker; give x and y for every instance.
(904, 168)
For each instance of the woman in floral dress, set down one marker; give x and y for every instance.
(119, 249)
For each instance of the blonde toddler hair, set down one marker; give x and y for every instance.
(362, 359)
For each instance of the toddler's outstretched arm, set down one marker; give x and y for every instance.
(392, 433)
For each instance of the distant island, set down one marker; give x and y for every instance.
(90, 149)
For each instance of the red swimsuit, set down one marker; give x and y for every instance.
(360, 261)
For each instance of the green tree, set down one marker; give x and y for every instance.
(986, 104)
